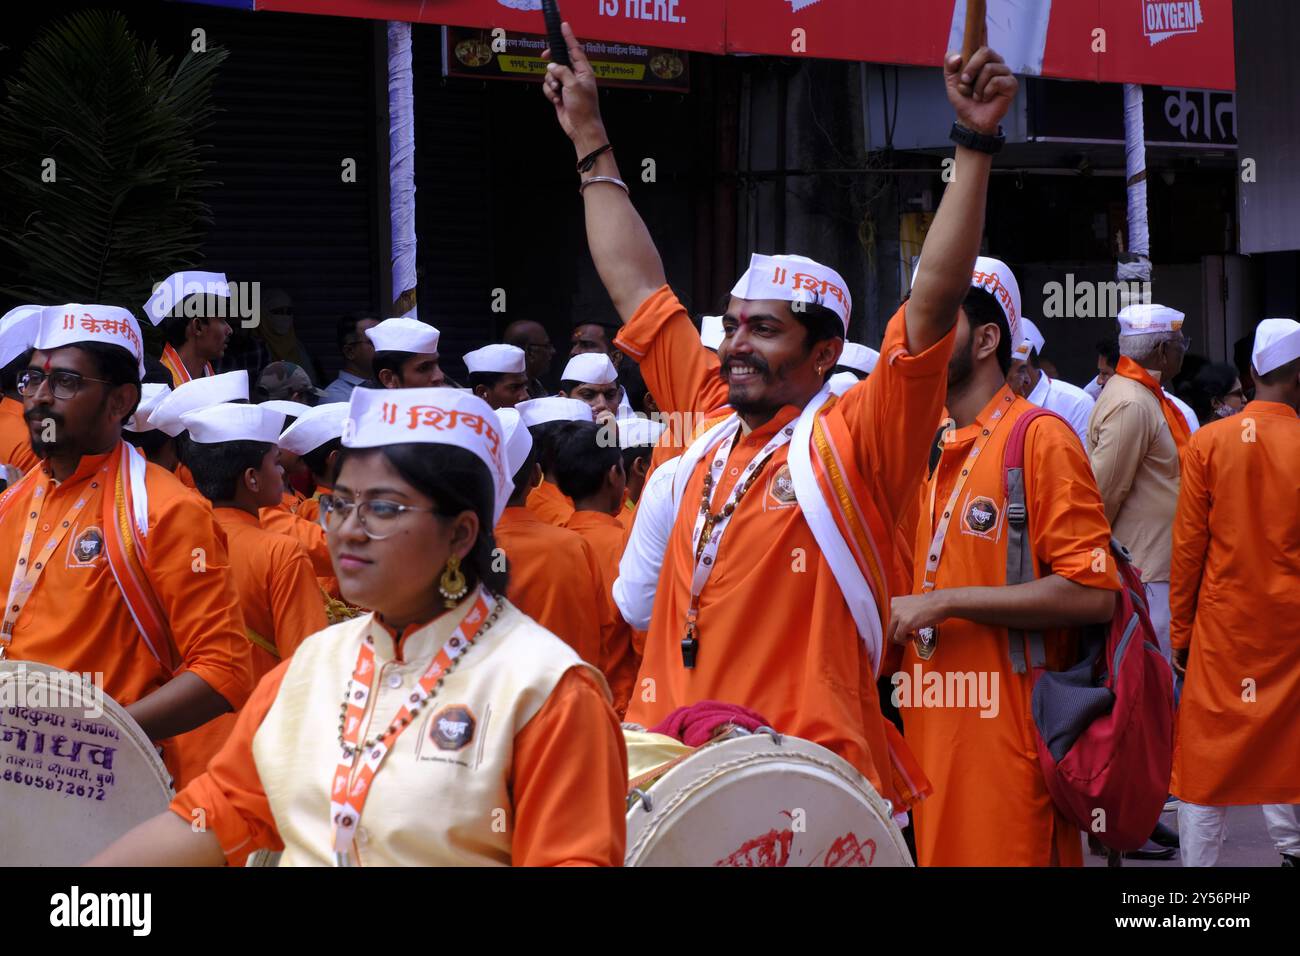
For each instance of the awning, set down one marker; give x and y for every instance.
(1185, 43)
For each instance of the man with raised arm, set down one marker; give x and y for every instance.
(783, 557)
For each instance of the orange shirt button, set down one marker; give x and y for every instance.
(735, 472)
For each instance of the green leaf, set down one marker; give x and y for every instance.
(122, 126)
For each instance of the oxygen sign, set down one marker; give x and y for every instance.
(1162, 19)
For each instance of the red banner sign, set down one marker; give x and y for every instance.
(1186, 43)
(1163, 42)
(681, 24)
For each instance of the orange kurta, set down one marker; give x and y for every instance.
(309, 508)
(291, 499)
(990, 805)
(281, 604)
(559, 817)
(1234, 599)
(186, 477)
(550, 504)
(76, 617)
(549, 580)
(15, 439)
(619, 659)
(312, 538)
(775, 633)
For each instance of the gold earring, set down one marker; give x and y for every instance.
(452, 586)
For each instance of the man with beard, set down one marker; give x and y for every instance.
(990, 805)
(115, 568)
(785, 615)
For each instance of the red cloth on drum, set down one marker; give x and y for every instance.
(695, 725)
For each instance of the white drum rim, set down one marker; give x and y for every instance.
(717, 759)
(133, 732)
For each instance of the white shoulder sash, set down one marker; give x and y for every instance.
(848, 575)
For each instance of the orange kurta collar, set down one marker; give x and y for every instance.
(1004, 398)
(236, 516)
(763, 433)
(593, 519)
(519, 514)
(1258, 407)
(88, 465)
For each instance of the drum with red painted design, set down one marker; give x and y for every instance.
(759, 801)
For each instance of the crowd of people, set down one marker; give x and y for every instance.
(744, 512)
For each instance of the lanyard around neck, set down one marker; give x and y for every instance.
(940, 535)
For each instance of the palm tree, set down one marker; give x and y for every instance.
(101, 171)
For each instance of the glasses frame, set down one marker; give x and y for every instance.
(329, 503)
(27, 373)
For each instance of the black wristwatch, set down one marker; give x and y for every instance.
(977, 141)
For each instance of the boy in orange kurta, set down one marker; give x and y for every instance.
(550, 580)
(1234, 606)
(591, 473)
(237, 469)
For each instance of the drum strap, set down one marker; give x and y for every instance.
(650, 776)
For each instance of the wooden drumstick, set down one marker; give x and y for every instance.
(976, 29)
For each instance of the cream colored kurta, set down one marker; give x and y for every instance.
(1135, 461)
(442, 795)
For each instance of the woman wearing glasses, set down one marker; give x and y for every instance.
(1215, 392)
(444, 728)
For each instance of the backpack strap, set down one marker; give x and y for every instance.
(1020, 552)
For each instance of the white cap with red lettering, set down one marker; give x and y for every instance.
(996, 278)
(432, 416)
(74, 323)
(795, 279)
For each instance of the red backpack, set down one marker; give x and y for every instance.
(1105, 725)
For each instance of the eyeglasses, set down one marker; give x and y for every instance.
(379, 519)
(64, 385)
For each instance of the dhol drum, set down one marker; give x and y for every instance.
(76, 772)
(762, 800)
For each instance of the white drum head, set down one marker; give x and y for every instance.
(76, 772)
(750, 801)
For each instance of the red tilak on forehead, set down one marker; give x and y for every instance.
(47, 364)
